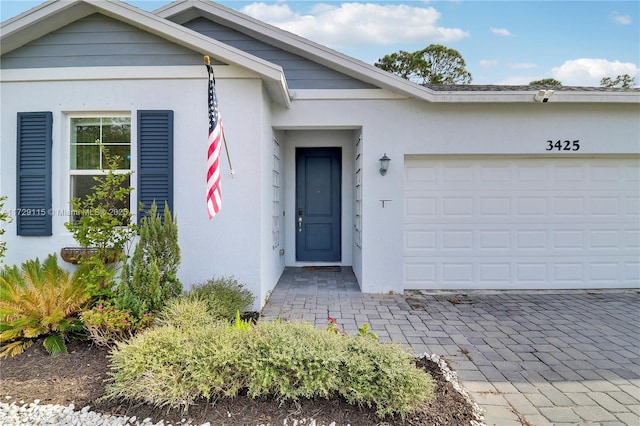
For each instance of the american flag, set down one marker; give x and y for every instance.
(214, 194)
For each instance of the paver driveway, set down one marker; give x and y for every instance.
(528, 358)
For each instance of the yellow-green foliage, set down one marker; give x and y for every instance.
(294, 360)
(223, 296)
(182, 312)
(176, 364)
(171, 366)
(38, 300)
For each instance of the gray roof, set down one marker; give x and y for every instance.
(523, 88)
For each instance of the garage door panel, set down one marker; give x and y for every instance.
(632, 272)
(521, 223)
(632, 206)
(568, 240)
(560, 207)
(531, 274)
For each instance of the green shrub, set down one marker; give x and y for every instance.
(293, 360)
(97, 275)
(224, 296)
(5, 217)
(102, 219)
(149, 280)
(383, 377)
(102, 222)
(38, 300)
(185, 313)
(166, 366)
(107, 325)
(177, 365)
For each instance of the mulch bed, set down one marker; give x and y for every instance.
(79, 378)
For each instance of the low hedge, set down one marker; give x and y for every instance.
(175, 365)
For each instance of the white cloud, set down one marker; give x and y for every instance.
(273, 13)
(503, 32)
(522, 66)
(488, 63)
(359, 24)
(621, 19)
(589, 72)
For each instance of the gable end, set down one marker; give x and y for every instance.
(98, 40)
(301, 73)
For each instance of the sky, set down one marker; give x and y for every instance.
(502, 41)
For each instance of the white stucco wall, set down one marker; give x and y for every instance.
(230, 244)
(271, 262)
(400, 127)
(239, 240)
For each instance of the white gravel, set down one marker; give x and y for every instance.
(34, 414)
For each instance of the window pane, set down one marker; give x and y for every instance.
(82, 185)
(116, 130)
(123, 152)
(85, 130)
(85, 157)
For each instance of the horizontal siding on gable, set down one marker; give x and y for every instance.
(98, 40)
(300, 72)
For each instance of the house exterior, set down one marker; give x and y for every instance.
(487, 187)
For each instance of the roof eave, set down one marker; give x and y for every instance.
(303, 47)
(39, 21)
(183, 11)
(529, 97)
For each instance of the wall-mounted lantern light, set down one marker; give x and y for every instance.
(384, 164)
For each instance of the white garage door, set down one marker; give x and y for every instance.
(486, 222)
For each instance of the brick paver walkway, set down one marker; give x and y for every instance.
(528, 358)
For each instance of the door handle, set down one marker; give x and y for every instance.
(299, 223)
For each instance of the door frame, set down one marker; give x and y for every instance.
(303, 221)
(290, 139)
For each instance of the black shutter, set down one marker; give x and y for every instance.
(33, 188)
(155, 159)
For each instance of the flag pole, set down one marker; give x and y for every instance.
(207, 62)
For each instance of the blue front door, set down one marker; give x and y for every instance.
(317, 214)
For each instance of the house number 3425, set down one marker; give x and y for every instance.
(560, 145)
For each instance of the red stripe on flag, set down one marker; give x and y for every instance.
(214, 194)
(215, 139)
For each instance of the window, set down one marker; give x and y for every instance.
(357, 234)
(275, 226)
(92, 141)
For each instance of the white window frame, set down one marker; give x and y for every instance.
(87, 172)
(357, 220)
(275, 182)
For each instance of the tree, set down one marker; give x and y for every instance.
(545, 82)
(622, 81)
(150, 279)
(436, 64)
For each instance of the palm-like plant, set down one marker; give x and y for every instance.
(40, 299)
